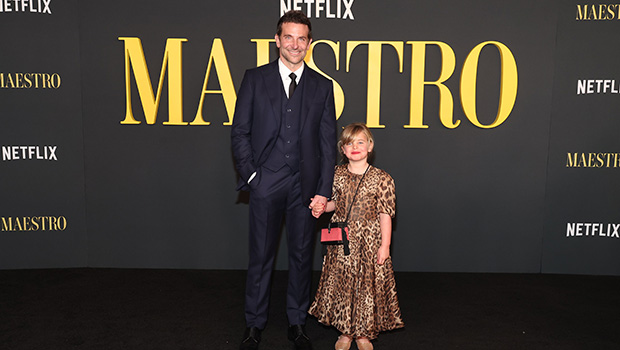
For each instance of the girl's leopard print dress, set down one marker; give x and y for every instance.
(356, 295)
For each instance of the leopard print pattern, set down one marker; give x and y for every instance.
(356, 295)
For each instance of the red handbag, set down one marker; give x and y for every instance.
(333, 234)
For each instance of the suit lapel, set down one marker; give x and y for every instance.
(309, 90)
(273, 85)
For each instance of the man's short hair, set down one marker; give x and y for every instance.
(295, 16)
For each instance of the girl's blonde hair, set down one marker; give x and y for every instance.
(348, 134)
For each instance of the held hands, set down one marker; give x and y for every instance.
(382, 254)
(318, 210)
(317, 205)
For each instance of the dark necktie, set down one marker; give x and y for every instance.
(291, 88)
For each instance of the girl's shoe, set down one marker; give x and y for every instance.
(343, 342)
(363, 344)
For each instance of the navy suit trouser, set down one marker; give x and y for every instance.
(277, 195)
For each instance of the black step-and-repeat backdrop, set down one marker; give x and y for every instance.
(42, 205)
(496, 120)
(582, 206)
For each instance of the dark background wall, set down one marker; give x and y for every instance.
(41, 111)
(470, 198)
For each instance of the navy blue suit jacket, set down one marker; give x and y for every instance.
(257, 121)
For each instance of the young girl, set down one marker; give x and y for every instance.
(357, 292)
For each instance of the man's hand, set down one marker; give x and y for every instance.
(317, 205)
(318, 210)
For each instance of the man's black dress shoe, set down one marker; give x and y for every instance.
(297, 335)
(251, 338)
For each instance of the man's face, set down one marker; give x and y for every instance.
(293, 43)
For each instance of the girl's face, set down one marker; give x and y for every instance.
(358, 148)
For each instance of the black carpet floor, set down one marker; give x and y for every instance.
(197, 309)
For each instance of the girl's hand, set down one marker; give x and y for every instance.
(317, 205)
(383, 254)
(318, 209)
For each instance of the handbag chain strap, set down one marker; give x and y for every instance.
(355, 195)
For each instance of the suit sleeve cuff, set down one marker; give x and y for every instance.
(251, 177)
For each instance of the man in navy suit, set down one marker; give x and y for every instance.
(284, 145)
